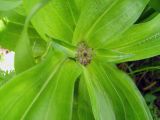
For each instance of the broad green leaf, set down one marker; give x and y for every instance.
(20, 10)
(10, 34)
(141, 41)
(39, 48)
(125, 99)
(91, 11)
(101, 104)
(104, 19)
(57, 100)
(82, 107)
(11, 25)
(40, 92)
(68, 49)
(6, 5)
(23, 57)
(23, 49)
(108, 55)
(79, 5)
(107, 88)
(135, 106)
(27, 86)
(57, 19)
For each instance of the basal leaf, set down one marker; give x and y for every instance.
(20, 10)
(79, 5)
(135, 106)
(37, 93)
(24, 42)
(6, 5)
(102, 20)
(23, 50)
(11, 25)
(91, 11)
(101, 104)
(141, 41)
(125, 100)
(57, 19)
(56, 101)
(82, 107)
(109, 55)
(27, 89)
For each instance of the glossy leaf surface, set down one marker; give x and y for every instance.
(140, 41)
(64, 85)
(6, 5)
(40, 91)
(113, 84)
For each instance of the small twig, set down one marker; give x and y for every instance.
(150, 86)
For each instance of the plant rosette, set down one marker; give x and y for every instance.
(76, 77)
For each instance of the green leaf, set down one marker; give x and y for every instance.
(57, 100)
(79, 5)
(23, 49)
(150, 98)
(155, 4)
(6, 5)
(135, 106)
(5, 77)
(108, 55)
(20, 10)
(42, 92)
(101, 104)
(26, 87)
(102, 20)
(141, 41)
(57, 19)
(125, 100)
(11, 25)
(82, 107)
